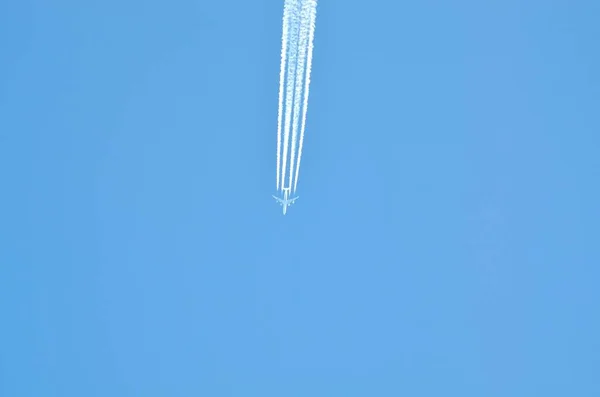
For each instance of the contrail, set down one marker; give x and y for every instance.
(289, 90)
(312, 15)
(294, 82)
(284, 44)
(300, 71)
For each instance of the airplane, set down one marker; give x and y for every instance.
(285, 202)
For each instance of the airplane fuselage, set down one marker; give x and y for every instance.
(285, 200)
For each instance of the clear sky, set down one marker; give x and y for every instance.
(446, 238)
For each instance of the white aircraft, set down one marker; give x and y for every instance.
(285, 202)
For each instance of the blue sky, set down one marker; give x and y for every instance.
(445, 242)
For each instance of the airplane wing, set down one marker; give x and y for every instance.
(280, 201)
(294, 199)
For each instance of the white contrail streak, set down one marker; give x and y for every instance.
(284, 44)
(300, 71)
(312, 15)
(294, 82)
(289, 90)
